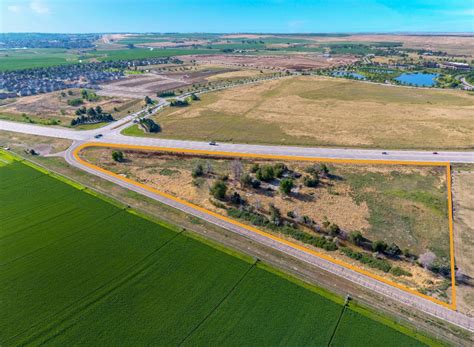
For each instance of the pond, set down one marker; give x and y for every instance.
(418, 79)
(348, 74)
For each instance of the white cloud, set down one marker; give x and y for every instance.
(39, 7)
(14, 8)
(465, 12)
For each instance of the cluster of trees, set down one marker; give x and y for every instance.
(165, 94)
(179, 103)
(118, 156)
(91, 115)
(149, 125)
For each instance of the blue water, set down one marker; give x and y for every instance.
(347, 73)
(419, 79)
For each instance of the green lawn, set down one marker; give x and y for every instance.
(79, 270)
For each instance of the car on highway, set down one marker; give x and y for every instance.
(212, 143)
(435, 152)
(98, 136)
(384, 153)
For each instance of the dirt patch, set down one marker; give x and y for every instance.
(274, 62)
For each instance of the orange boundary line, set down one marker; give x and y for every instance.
(452, 305)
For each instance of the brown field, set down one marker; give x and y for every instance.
(279, 62)
(317, 111)
(43, 107)
(139, 86)
(463, 198)
(353, 197)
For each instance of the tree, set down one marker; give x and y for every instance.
(310, 181)
(197, 171)
(286, 185)
(91, 112)
(218, 190)
(236, 199)
(265, 173)
(393, 250)
(279, 169)
(334, 230)
(148, 100)
(379, 246)
(98, 110)
(324, 169)
(275, 215)
(117, 156)
(356, 238)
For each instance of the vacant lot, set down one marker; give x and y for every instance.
(77, 269)
(405, 206)
(54, 108)
(463, 198)
(314, 111)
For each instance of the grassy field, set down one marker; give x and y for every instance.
(314, 111)
(33, 58)
(81, 270)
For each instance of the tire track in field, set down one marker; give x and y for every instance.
(53, 329)
(218, 304)
(337, 325)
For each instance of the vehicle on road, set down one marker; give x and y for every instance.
(384, 153)
(212, 143)
(98, 136)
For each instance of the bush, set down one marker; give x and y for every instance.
(398, 271)
(393, 250)
(379, 246)
(279, 169)
(254, 168)
(179, 103)
(218, 190)
(310, 181)
(334, 230)
(356, 238)
(286, 185)
(117, 156)
(75, 102)
(265, 173)
(149, 125)
(256, 184)
(198, 171)
(367, 259)
(246, 180)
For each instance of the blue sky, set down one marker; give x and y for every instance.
(236, 16)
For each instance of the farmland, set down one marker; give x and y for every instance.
(80, 269)
(405, 206)
(315, 111)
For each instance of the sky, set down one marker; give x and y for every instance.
(225, 16)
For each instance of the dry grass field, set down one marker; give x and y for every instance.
(318, 111)
(401, 205)
(463, 196)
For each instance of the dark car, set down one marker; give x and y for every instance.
(212, 143)
(98, 136)
(384, 153)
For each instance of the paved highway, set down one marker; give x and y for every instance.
(111, 134)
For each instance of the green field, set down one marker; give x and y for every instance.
(77, 269)
(34, 58)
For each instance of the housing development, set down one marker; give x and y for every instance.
(236, 188)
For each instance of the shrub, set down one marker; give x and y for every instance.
(398, 271)
(367, 259)
(254, 168)
(218, 190)
(393, 250)
(117, 156)
(275, 215)
(286, 185)
(356, 237)
(256, 184)
(310, 181)
(246, 180)
(334, 230)
(198, 171)
(265, 173)
(75, 102)
(379, 246)
(279, 169)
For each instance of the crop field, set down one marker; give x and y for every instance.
(79, 268)
(314, 111)
(397, 205)
(33, 58)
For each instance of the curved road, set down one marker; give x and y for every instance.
(111, 134)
